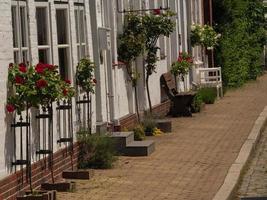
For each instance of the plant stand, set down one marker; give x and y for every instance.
(46, 120)
(65, 126)
(24, 150)
(65, 132)
(45, 145)
(181, 106)
(82, 175)
(85, 112)
(40, 195)
(59, 187)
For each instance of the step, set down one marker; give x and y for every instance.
(140, 148)
(122, 139)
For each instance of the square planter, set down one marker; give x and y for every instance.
(164, 125)
(59, 187)
(83, 175)
(40, 195)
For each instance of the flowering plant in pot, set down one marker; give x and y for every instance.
(85, 75)
(204, 35)
(181, 66)
(86, 81)
(32, 86)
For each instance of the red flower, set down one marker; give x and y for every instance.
(156, 11)
(94, 80)
(39, 68)
(65, 92)
(22, 68)
(22, 65)
(41, 83)
(180, 59)
(10, 108)
(19, 80)
(189, 60)
(49, 67)
(67, 81)
(10, 66)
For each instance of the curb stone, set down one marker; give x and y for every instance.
(233, 176)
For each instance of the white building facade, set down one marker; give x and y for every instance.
(61, 32)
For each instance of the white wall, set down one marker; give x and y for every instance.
(112, 79)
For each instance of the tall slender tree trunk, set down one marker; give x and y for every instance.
(136, 104)
(148, 94)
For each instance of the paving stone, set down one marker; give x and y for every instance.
(193, 161)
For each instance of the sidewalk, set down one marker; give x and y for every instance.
(188, 164)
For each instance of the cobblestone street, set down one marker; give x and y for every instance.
(254, 181)
(190, 163)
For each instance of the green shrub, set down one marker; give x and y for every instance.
(96, 151)
(149, 125)
(139, 133)
(243, 27)
(208, 95)
(196, 104)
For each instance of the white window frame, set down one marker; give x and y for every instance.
(47, 47)
(79, 44)
(20, 49)
(66, 46)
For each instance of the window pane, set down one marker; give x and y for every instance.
(83, 51)
(44, 55)
(63, 62)
(77, 26)
(23, 25)
(16, 57)
(25, 58)
(14, 26)
(42, 26)
(62, 26)
(82, 26)
(78, 52)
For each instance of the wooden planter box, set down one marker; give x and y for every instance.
(83, 175)
(181, 104)
(164, 125)
(59, 187)
(42, 195)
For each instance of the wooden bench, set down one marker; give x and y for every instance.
(181, 102)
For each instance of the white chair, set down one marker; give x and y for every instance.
(210, 77)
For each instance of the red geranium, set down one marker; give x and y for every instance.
(67, 81)
(19, 80)
(156, 11)
(94, 80)
(10, 108)
(49, 67)
(41, 83)
(22, 68)
(39, 68)
(65, 92)
(10, 66)
(189, 59)
(180, 59)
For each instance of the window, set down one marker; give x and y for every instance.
(80, 26)
(63, 41)
(43, 33)
(20, 32)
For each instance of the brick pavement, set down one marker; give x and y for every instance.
(190, 163)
